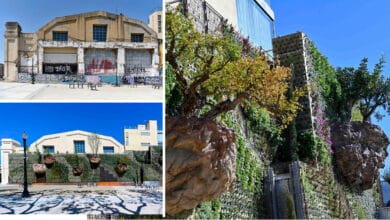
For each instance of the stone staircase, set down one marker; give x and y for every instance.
(106, 176)
(71, 177)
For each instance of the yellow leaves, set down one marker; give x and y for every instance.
(213, 68)
(266, 87)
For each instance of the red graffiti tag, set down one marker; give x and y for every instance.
(97, 66)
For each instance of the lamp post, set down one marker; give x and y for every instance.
(25, 190)
(32, 70)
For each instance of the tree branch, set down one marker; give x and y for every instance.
(225, 106)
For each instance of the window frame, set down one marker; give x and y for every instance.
(59, 33)
(145, 144)
(75, 146)
(141, 35)
(49, 146)
(159, 23)
(105, 147)
(99, 33)
(145, 133)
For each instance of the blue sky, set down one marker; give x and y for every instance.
(33, 14)
(38, 119)
(344, 31)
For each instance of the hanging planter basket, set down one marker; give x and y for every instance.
(49, 160)
(39, 168)
(77, 170)
(94, 160)
(121, 169)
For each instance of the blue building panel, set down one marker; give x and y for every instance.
(254, 23)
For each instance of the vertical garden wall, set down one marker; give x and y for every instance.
(62, 169)
(327, 195)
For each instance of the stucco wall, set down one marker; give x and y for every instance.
(134, 138)
(228, 10)
(64, 142)
(80, 27)
(25, 52)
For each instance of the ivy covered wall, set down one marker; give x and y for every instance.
(326, 194)
(257, 138)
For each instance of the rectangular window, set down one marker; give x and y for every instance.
(79, 147)
(144, 133)
(100, 33)
(159, 23)
(60, 36)
(145, 144)
(139, 38)
(108, 150)
(48, 149)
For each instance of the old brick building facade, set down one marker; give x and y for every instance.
(97, 43)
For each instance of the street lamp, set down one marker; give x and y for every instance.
(25, 190)
(32, 70)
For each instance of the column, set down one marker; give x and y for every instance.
(80, 61)
(155, 62)
(40, 59)
(120, 61)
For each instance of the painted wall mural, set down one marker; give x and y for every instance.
(100, 61)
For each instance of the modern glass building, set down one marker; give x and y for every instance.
(255, 20)
(252, 18)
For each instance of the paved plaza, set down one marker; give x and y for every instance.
(27, 91)
(128, 200)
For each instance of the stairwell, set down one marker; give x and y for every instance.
(106, 176)
(71, 177)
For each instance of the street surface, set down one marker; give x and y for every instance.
(62, 92)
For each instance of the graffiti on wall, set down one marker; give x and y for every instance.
(139, 58)
(59, 68)
(134, 69)
(45, 78)
(100, 61)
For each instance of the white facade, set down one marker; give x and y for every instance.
(142, 137)
(68, 142)
(8, 146)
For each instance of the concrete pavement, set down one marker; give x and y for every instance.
(86, 200)
(61, 92)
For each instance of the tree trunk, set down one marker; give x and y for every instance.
(225, 106)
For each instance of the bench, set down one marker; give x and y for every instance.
(76, 80)
(130, 80)
(92, 82)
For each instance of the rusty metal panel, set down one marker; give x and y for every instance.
(59, 58)
(100, 61)
(138, 59)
